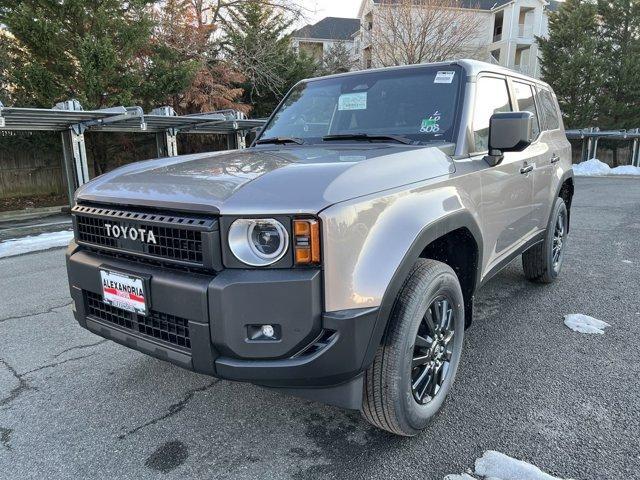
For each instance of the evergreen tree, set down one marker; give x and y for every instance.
(77, 48)
(255, 41)
(337, 60)
(620, 54)
(571, 62)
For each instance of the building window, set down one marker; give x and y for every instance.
(497, 26)
(367, 57)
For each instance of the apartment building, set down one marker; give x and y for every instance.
(506, 36)
(319, 38)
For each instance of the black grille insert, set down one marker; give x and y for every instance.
(171, 237)
(161, 326)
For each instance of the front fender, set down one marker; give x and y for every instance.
(366, 242)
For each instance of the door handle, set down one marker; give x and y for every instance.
(555, 158)
(526, 169)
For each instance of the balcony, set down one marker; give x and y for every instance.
(525, 31)
(524, 69)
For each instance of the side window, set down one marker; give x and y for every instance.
(492, 97)
(548, 109)
(524, 97)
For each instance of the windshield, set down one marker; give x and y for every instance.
(417, 103)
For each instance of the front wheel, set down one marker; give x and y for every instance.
(416, 364)
(542, 262)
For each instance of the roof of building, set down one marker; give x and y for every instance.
(554, 5)
(329, 28)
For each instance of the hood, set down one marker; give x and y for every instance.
(303, 179)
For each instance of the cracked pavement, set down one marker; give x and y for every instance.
(73, 405)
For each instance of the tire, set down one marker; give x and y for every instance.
(542, 263)
(389, 400)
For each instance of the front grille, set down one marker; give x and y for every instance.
(161, 326)
(165, 236)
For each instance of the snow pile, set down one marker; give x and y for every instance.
(584, 323)
(594, 168)
(35, 243)
(498, 466)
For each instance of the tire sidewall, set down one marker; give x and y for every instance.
(558, 208)
(445, 284)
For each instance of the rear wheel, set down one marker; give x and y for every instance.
(542, 262)
(416, 364)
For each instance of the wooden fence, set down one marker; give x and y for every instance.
(25, 171)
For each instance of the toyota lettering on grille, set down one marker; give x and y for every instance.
(131, 233)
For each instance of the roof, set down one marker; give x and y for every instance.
(329, 28)
(471, 67)
(121, 119)
(554, 5)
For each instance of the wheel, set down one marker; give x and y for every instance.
(542, 262)
(416, 363)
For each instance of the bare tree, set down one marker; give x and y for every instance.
(213, 11)
(417, 31)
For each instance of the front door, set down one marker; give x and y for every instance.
(506, 189)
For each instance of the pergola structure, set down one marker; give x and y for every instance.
(73, 122)
(590, 137)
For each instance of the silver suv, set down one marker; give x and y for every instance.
(337, 258)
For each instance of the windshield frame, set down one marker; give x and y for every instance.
(458, 104)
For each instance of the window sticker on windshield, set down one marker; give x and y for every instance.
(444, 77)
(431, 125)
(352, 101)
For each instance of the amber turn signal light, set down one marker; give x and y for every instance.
(306, 235)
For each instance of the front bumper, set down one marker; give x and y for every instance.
(315, 350)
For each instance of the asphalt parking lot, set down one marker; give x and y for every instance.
(73, 405)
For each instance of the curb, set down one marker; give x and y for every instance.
(30, 213)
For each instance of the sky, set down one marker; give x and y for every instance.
(318, 9)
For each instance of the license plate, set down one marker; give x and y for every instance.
(123, 291)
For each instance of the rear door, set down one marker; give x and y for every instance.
(506, 189)
(538, 154)
(558, 148)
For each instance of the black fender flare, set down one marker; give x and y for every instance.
(568, 174)
(433, 231)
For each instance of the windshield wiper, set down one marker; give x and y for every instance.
(368, 137)
(296, 140)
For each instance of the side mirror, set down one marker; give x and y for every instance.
(508, 132)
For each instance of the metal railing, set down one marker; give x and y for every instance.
(72, 121)
(590, 136)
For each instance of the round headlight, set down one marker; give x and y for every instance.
(258, 242)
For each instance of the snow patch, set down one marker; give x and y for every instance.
(627, 261)
(498, 466)
(584, 323)
(35, 243)
(594, 168)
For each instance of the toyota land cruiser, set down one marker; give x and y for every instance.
(337, 258)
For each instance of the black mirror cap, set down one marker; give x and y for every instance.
(510, 131)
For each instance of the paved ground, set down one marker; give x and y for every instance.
(75, 406)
